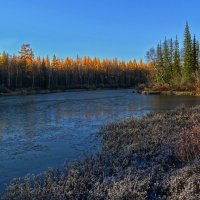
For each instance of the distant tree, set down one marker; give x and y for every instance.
(25, 71)
(25, 51)
(188, 57)
(31, 66)
(198, 53)
(159, 65)
(171, 55)
(43, 74)
(176, 62)
(4, 69)
(49, 70)
(25, 54)
(151, 56)
(166, 62)
(55, 67)
(15, 71)
(195, 55)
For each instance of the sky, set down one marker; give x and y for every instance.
(125, 29)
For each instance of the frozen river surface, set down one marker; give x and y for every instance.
(41, 131)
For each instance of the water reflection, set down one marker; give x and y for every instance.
(45, 130)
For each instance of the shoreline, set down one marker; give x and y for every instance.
(37, 92)
(168, 92)
(25, 92)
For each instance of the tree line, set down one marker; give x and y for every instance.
(26, 71)
(174, 65)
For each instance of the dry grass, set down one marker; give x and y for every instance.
(156, 157)
(174, 87)
(188, 144)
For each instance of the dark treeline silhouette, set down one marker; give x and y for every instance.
(174, 66)
(25, 71)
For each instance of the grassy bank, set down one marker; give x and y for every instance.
(156, 157)
(187, 90)
(170, 92)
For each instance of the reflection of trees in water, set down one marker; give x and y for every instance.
(162, 102)
(87, 110)
(90, 112)
(3, 126)
(86, 115)
(30, 119)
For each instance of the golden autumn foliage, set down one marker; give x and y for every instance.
(25, 71)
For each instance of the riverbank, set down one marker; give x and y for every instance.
(169, 90)
(34, 92)
(156, 157)
(24, 92)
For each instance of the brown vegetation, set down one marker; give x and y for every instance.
(166, 89)
(188, 144)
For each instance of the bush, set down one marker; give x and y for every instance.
(188, 144)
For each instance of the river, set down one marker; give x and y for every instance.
(41, 131)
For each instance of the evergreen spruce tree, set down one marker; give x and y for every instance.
(171, 55)
(195, 55)
(198, 54)
(159, 65)
(187, 65)
(166, 62)
(176, 61)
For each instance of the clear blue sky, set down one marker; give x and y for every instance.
(102, 28)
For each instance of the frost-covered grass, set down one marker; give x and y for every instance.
(157, 157)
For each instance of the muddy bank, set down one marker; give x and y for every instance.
(156, 157)
(33, 92)
(21, 92)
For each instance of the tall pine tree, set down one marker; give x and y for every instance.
(159, 77)
(176, 61)
(166, 62)
(188, 58)
(195, 55)
(171, 55)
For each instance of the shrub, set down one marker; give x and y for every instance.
(188, 144)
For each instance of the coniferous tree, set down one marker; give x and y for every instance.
(176, 61)
(166, 62)
(49, 69)
(195, 55)
(4, 63)
(198, 53)
(171, 55)
(176, 66)
(159, 65)
(29, 72)
(187, 50)
(25, 54)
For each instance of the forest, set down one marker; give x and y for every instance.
(26, 71)
(174, 66)
(168, 66)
